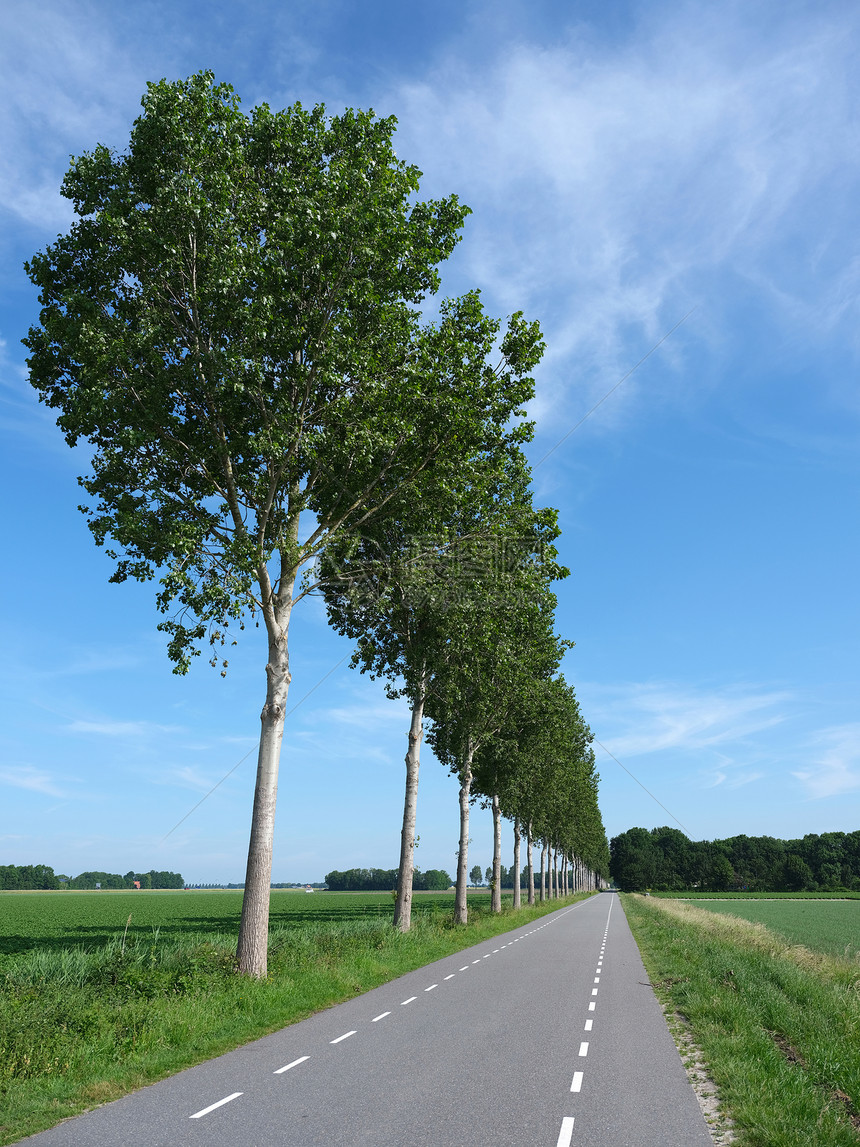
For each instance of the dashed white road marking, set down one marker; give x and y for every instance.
(453, 974)
(409, 1001)
(566, 1133)
(476, 961)
(340, 1038)
(295, 1063)
(597, 979)
(577, 1081)
(588, 1025)
(465, 969)
(592, 1006)
(432, 986)
(381, 1016)
(583, 1049)
(212, 1106)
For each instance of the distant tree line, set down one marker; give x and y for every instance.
(33, 877)
(385, 880)
(664, 859)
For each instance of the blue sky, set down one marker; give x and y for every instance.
(626, 163)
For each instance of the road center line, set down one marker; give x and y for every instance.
(346, 1035)
(295, 1063)
(583, 1049)
(453, 974)
(212, 1106)
(592, 1006)
(432, 986)
(382, 1016)
(594, 991)
(589, 1024)
(566, 1133)
(409, 1001)
(577, 1081)
(465, 969)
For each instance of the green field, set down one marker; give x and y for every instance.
(831, 926)
(55, 920)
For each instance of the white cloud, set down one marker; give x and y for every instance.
(29, 777)
(119, 728)
(834, 767)
(658, 716)
(616, 186)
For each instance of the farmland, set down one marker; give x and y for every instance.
(830, 926)
(56, 920)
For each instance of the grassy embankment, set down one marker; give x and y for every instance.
(82, 1024)
(778, 1024)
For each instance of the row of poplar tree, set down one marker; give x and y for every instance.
(237, 324)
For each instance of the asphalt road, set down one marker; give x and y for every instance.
(547, 1036)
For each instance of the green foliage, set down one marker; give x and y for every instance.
(27, 876)
(231, 325)
(666, 860)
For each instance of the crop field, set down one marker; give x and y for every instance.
(53, 920)
(830, 926)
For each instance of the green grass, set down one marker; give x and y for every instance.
(88, 1013)
(778, 1025)
(60, 919)
(832, 927)
(695, 895)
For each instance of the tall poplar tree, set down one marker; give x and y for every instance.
(231, 324)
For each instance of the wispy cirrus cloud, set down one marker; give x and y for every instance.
(120, 728)
(648, 176)
(834, 762)
(29, 777)
(654, 717)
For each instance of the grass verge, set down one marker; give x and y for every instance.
(79, 1027)
(777, 1024)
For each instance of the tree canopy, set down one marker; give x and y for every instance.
(232, 325)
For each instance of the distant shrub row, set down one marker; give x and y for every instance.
(384, 879)
(34, 877)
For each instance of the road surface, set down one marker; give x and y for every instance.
(546, 1036)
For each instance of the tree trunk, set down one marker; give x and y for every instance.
(543, 870)
(517, 893)
(553, 873)
(252, 948)
(530, 863)
(496, 897)
(461, 908)
(403, 903)
(564, 874)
